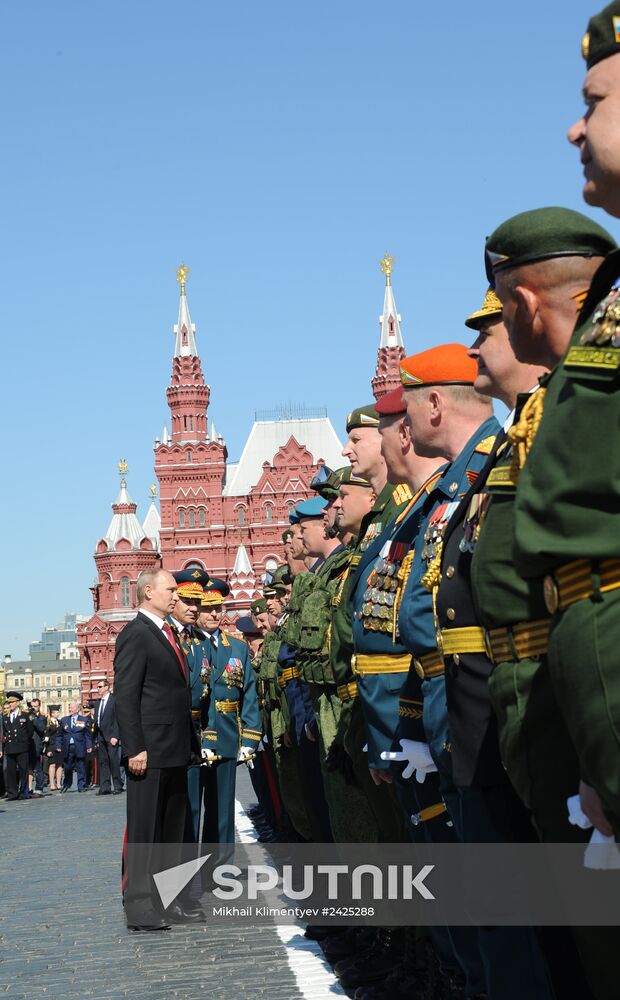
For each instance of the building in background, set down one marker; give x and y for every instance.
(225, 517)
(52, 672)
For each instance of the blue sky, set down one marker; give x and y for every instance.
(279, 149)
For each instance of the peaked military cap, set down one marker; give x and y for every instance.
(191, 582)
(214, 592)
(363, 416)
(391, 404)
(541, 234)
(602, 39)
(491, 308)
(14, 696)
(246, 626)
(259, 606)
(313, 507)
(446, 365)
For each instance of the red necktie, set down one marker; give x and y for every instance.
(170, 636)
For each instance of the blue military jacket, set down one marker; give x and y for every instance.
(374, 593)
(416, 620)
(230, 713)
(79, 733)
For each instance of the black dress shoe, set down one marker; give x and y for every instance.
(155, 925)
(187, 914)
(103, 793)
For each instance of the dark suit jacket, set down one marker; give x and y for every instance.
(107, 726)
(153, 706)
(80, 735)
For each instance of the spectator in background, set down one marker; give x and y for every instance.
(74, 739)
(36, 777)
(53, 756)
(108, 738)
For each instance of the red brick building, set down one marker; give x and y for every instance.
(227, 518)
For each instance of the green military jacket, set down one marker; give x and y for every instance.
(501, 596)
(567, 495)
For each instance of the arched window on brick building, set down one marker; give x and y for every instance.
(125, 592)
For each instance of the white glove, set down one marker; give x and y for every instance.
(207, 755)
(416, 755)
(601, 852)
(576, 815)
(245, 754)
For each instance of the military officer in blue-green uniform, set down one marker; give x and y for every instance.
(230, 723)
(190, 584)
(382, 662)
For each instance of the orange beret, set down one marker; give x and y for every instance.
(446, 365)
(391, 403)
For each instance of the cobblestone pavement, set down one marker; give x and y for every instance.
(63, 933)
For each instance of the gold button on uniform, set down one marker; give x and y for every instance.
(451, 613)
(449, 572)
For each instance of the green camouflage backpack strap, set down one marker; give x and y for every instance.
(268, 670)
(303, 584)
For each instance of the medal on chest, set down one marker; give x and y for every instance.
(436, 529)
(382, 584)
(604, 327)
(473, 521)
(372, 531)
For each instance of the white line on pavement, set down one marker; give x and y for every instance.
(313, 975)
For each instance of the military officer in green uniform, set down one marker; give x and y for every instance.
(275, 709)
(230, 723)
(566, 531)
(519, 259)
(190, 588)
(552, 253)
(309, 631)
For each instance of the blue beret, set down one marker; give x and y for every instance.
(246, 626)
(313, 507)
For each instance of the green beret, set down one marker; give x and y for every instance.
(347, 476)
(259, 606)
(542, 234)
(602, 39)
(364, 416)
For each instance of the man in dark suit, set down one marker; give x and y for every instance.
(153, 709)
(74, 740)
(108, 737)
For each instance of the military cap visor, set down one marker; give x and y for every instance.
(191, 582)
(490, 309)
(363, 416)
(602, 39)
(543, 234)
(214, 592)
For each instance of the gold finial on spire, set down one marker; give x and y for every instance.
(386, 267)
(181, 274)
(122, 471)
(153, 490)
